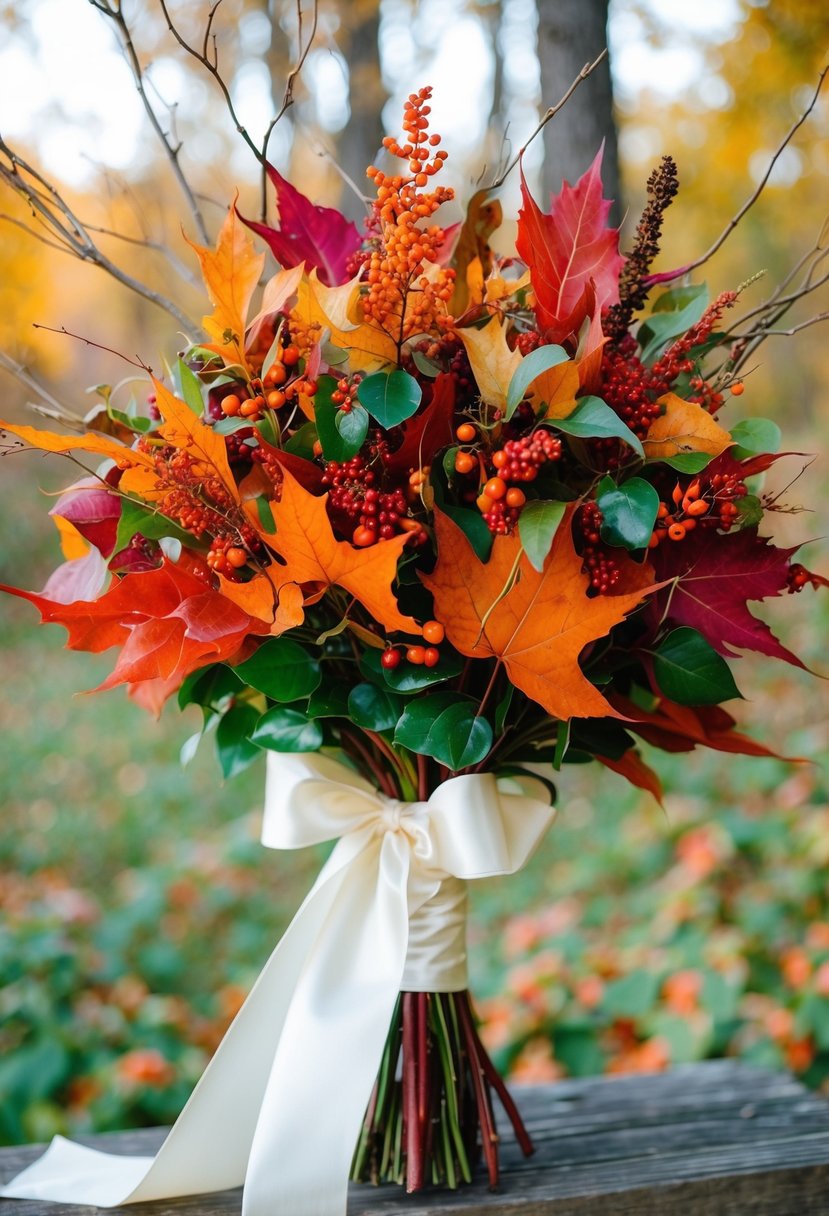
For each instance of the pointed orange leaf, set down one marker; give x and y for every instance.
(185, 430)
(231, 272)
(684, 427)
(305, 540)
(100, 445)
(278, 604)
(536, 624)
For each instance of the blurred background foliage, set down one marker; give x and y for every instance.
(137, 904)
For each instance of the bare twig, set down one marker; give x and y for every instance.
(22, 373)
(548, 115)
(766, 333)
(172, 147)
(55, 213)
(288, 98)
(752, 199)
(136, 362)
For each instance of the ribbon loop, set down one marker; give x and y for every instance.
(386, 912)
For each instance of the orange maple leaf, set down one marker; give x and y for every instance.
(184, 429)
(231, 272)
(312, 554)
(536, 624)
(684, 427)
(99, 445)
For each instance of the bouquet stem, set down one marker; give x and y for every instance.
(430, 1114)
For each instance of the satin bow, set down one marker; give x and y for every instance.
(279, 1108)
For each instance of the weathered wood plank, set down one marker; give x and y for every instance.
(712, 1139)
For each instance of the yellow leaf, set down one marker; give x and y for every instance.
(493, 363)
(684, 427)
(72, 544)
(338, 310)
(231, 273)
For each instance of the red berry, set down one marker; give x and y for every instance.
(431, 656)
(390, 658)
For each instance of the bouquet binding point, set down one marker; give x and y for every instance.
(439, 513)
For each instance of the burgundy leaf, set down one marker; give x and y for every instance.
(428, 431)
(568, 249)
(93, 510)
(713, 584)
(320, 237)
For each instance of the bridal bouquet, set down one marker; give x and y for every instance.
(424, 523)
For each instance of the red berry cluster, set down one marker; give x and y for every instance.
(426, 656)
(520, 459)
(226, 556)
(630, 388)
(345, 392)
(375, 514)
(528, 341)
(598, 563)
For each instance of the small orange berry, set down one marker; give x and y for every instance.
(237, 557)
(416, 655)
(464, 462)
(431, 656)
(676, 531)
(433, 632)
(275, 375)
(515, 497)
(466, 432)
(499, 458)
(698, 507)
(231, 405)
(484, 503)
(363, 537)
(495, 488)
(290, 355)
(276, 399)
(737, 388)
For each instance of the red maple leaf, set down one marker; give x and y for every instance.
(712, 584)
(320, 237)
(569, 249)
(681, 728)
(168, 621)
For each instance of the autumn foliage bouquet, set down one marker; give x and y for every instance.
(435, 512)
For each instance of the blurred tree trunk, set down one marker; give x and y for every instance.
(359, 142)
(571, 33)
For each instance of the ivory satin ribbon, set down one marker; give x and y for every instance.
(280, 1106)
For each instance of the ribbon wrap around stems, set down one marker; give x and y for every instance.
(280, 1106)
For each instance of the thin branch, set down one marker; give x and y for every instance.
(752, 199)
(136, 362)
(171, 148)
(22, 373)
(288, 98)
(787, 333)
(210, 63)
(38, 236)
(54, 211)
(184, 272)
(548, 115)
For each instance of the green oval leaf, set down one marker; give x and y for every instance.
(686, 462)
(235, 750)
(594, 419)
(689, 671)
(190, 387)
(373, 708)
(341, 433)
(209, 686)
(755, 436)
(446, 727)
(537, 525)
(281, 669)
(390, 397)
(286, 730)
(673, 314)
(629, 512)
(533, 365)
(407, 677)
(328, 701)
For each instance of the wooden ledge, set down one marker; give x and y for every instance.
(710, 1139)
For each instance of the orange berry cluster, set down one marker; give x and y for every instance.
(419, 656)
(400, 295)
(226, 556)
(710, 503)
(518, 460)
(266, 392)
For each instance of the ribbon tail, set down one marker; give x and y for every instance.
(209, 1145)
(331, 1044)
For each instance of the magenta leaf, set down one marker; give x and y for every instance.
(321, 237)
(569, 249)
